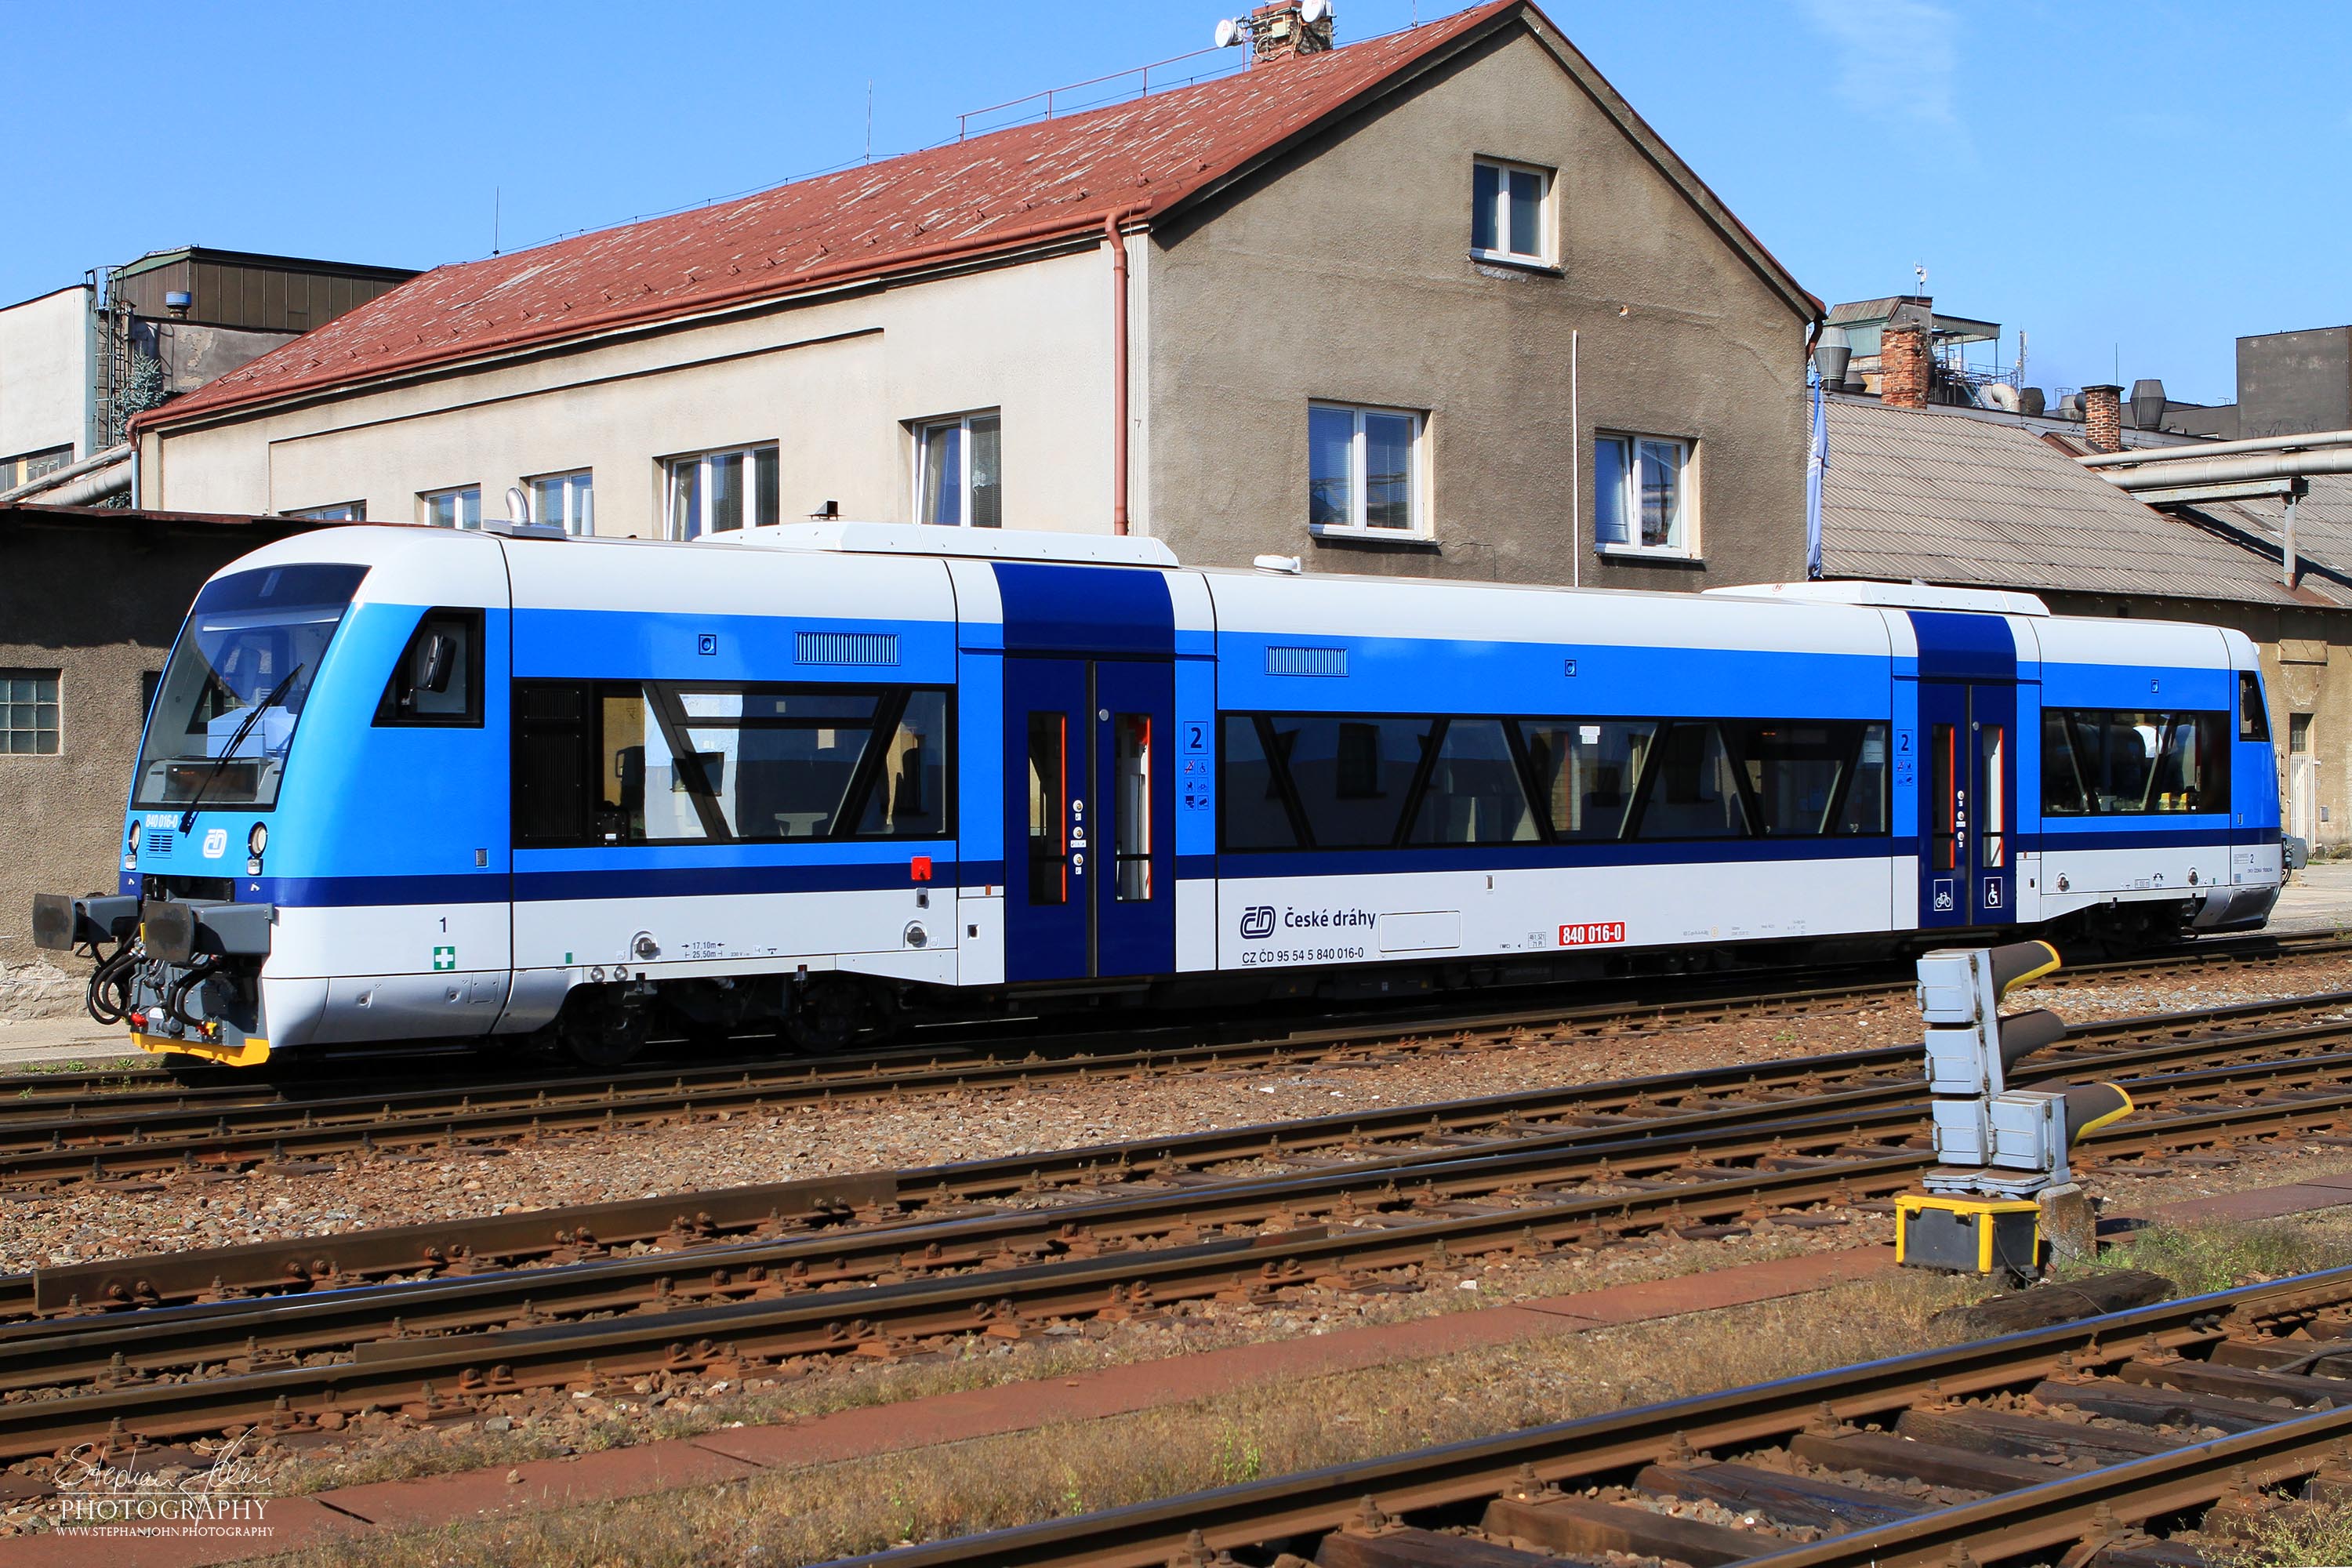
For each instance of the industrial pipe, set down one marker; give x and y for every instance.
(2210, 468)
(93, 478)
(2312, 442)
(1118, 372)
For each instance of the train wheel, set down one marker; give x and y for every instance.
(836, 1012)
(603, 1035)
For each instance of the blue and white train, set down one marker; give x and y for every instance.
(404, 783)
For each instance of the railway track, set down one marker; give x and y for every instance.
(48, 1137)
(1643, 1109)
(2138, 1439)
(437, 1347)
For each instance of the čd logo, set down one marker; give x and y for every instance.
(1258, 921)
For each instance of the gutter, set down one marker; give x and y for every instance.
(1119, 523)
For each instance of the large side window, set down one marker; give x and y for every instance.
(1473, 794)
(1585, 770)
(1692, 792)
(2130, 762)
(1353, 777)
(1865, 809)
(1798, 775)
(1251, 792)
(439, 677)
(654, 762)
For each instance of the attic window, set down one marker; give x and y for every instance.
(1509, 211)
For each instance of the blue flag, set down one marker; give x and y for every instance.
(1817, 463)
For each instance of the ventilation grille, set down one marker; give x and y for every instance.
(159, 841)
(1306, 661)
(847, 647)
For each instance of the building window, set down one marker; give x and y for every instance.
(451, 509)
(24, 468)
(28, 712)
(1363, 470)
(960, 471)
(348, 511)
(715, 492)
(2298, 734)
(1640, 494)
(1507, 208)
(566, 499)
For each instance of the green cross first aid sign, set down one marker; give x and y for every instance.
(445, 958)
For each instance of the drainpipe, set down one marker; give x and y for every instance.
(1118, 372)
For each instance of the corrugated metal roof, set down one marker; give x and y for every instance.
(2323, 522)
(1917, 493)
(1015, 186)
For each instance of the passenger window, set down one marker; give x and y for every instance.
(1692, 793)
(1793, 771)
(1352, 776)
(908, 796)
(1585, 771)
(439, 677)
(2129, 763)
(1473, 794)
(2062, 781)
(1866, 807)
(2253, 715)
(1250, 795)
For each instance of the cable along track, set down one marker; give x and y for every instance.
(2090, 1440)
(722, 1310)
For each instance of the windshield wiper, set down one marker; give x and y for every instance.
(236, 739)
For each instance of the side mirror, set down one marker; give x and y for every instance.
(440, 659)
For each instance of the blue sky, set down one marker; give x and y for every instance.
(2150, 179)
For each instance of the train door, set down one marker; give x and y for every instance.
(1089, 832)
(1967, 803)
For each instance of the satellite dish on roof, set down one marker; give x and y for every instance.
(1229, 33)
(2002, 396)
(1314, 10)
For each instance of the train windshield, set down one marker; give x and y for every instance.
(233, 691)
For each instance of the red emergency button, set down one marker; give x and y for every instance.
(920, 867)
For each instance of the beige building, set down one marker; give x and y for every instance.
(48, 354)
(1437, 303)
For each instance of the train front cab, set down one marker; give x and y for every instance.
(306, 855)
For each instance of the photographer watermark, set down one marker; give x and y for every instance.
(219, 1496)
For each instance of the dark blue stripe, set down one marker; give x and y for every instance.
(1193, 867)
(1520, 857)
(2217, 836)
(1955, 646)
(1085, 609)
(355, 892)
(714, 881)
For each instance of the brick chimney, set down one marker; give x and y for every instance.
(2103, 418)
(1903, 363)
(1281, 30)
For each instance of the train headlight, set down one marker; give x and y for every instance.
(259, 840)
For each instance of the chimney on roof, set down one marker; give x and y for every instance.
(1903, 363)
(2103, 417)
(1288, 27)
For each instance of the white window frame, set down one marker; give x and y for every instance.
(922, 429)
(339, 511)
(697, 465)
(1358, 499)
(576, 499)
(1682, 531)
(466, 504)
(1504, 168)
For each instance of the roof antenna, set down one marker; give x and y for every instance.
(496, 194)
(1919, 270)
(869, 119)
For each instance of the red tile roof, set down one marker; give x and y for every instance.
(1014, 188)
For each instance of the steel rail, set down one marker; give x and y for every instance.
(26, 1095)
(681, 1219)
(106, 1146)
(426, 1373)
(51, 1353)
(1572, 1454)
